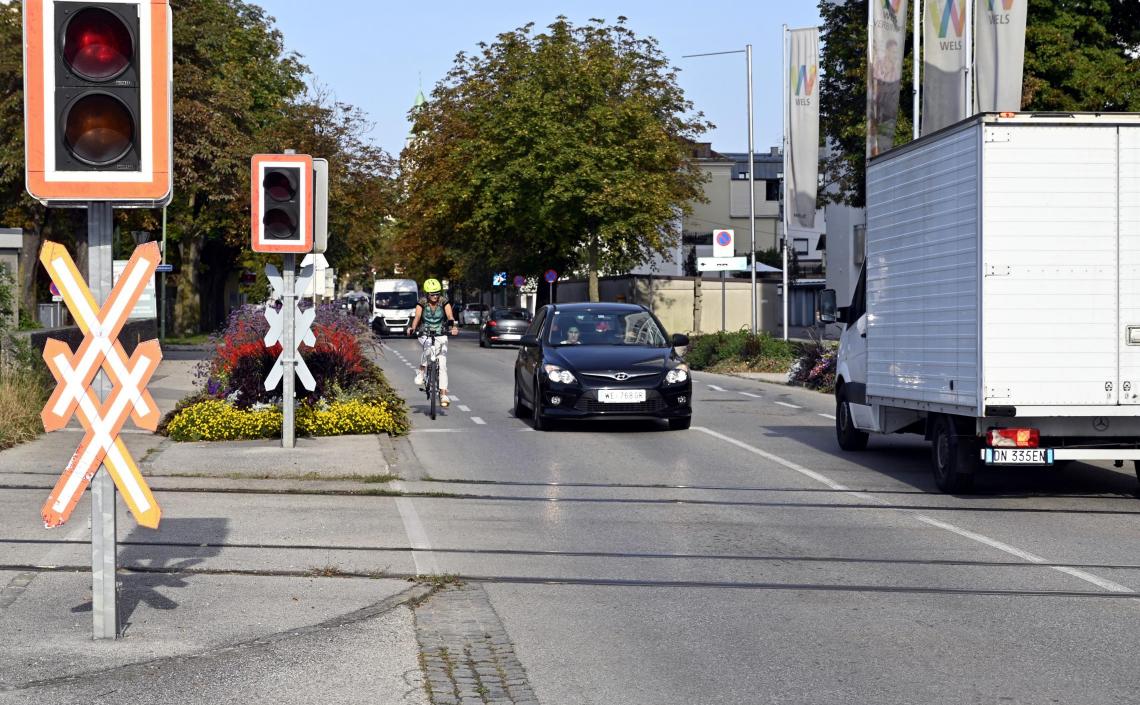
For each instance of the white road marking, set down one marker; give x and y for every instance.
(716, 388)
(750, 394)
(790, 406)
(827, 416)
(453, 397)
(992, 543)
(478, 420)
(464, 407)
(422, 555)
(438, 430)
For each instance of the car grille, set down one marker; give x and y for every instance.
(593, 406)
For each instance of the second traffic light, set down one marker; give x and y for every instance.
(282, 203)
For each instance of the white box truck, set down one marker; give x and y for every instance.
(393, 305)
(998, 310)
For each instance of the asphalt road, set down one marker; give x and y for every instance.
(748, 560)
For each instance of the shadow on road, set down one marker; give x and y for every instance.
(161, 567)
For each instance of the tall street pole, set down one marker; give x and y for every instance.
(784, 180)
(916, 60)
(747, 51)
(751, 188)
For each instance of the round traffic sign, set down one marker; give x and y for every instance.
(53, 289)
(723, 238)
(551, 276)
(520, 280)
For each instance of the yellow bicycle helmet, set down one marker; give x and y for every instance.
(432, 286)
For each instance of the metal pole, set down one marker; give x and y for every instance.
(722, 302)
(784, 180)
(916, 59)
(104, 588)
(751, 187)
(162, 285)
(289, 349)
(968, 49)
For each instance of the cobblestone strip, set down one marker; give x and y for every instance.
(465, 652)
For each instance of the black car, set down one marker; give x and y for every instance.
(504, 326)
(601, 360)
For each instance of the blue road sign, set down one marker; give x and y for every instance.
(164, 269)
(499, 279)
(551, 276)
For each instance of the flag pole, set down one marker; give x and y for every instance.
(916, 59)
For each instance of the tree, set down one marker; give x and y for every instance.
(561, 149)
(1079, 56)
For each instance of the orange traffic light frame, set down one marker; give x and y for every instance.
(148, 185)
(259, 205)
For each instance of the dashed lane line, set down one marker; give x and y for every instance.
(716, 388)
(464, 407)
(478, 420)
(790, 406)
(1087, 577)
(827, 416)
(750, 394)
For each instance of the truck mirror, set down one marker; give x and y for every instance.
(828, 311)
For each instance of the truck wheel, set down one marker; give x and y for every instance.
(953, 458)
(849, 437)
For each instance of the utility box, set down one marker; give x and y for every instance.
(11, 242)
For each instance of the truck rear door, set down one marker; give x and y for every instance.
(1051, 312)
(1129, 322)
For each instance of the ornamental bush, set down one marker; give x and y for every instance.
(217, 420)
(740, 349)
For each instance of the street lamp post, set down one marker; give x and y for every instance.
(747, 51)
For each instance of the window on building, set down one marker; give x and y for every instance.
(859, 245)
(772, 189)
(800, 245)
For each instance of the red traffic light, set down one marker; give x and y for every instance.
(98, 129)
(279, 187)
(97, 45)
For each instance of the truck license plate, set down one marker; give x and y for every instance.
(1019, 456)
(621, 396)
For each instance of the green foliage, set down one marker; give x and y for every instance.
(1079, 56)
(740, 349)
(567, 144)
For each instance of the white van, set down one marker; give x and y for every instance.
(393, 305)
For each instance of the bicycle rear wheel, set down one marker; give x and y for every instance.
(433, 388)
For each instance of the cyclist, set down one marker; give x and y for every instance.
(432, 311)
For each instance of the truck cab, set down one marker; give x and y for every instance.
(393, 306)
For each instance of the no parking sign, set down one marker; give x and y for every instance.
(723, 243)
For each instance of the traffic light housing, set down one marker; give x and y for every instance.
(98, 102)
(281, 214)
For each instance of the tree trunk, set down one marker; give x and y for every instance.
(697, 304)
(187, 302)
(30, 268)
(592, 265)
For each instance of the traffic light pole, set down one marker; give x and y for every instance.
(104, 587)
(289, 349)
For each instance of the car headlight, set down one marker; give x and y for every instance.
(678, 374)
(557, 374)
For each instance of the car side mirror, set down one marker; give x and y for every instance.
(529, 341)
(828, 310)
(680, 340)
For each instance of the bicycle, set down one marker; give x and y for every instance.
(431, 374)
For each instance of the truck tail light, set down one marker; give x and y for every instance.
(1013, 438)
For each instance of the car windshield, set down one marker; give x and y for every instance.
(606, 327)
(396, 299)
(513, 315)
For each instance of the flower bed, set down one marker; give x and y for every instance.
(351, 396)
(740, 352)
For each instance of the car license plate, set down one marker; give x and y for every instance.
(621, 396)
(1019, 456)
(509, 336)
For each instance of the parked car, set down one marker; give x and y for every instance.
(503, 326)
(601, 360)
(473, 314)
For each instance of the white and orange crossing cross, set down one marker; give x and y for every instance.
(74, 373)
(302, 325)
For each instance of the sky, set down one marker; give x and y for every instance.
(376, 55)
